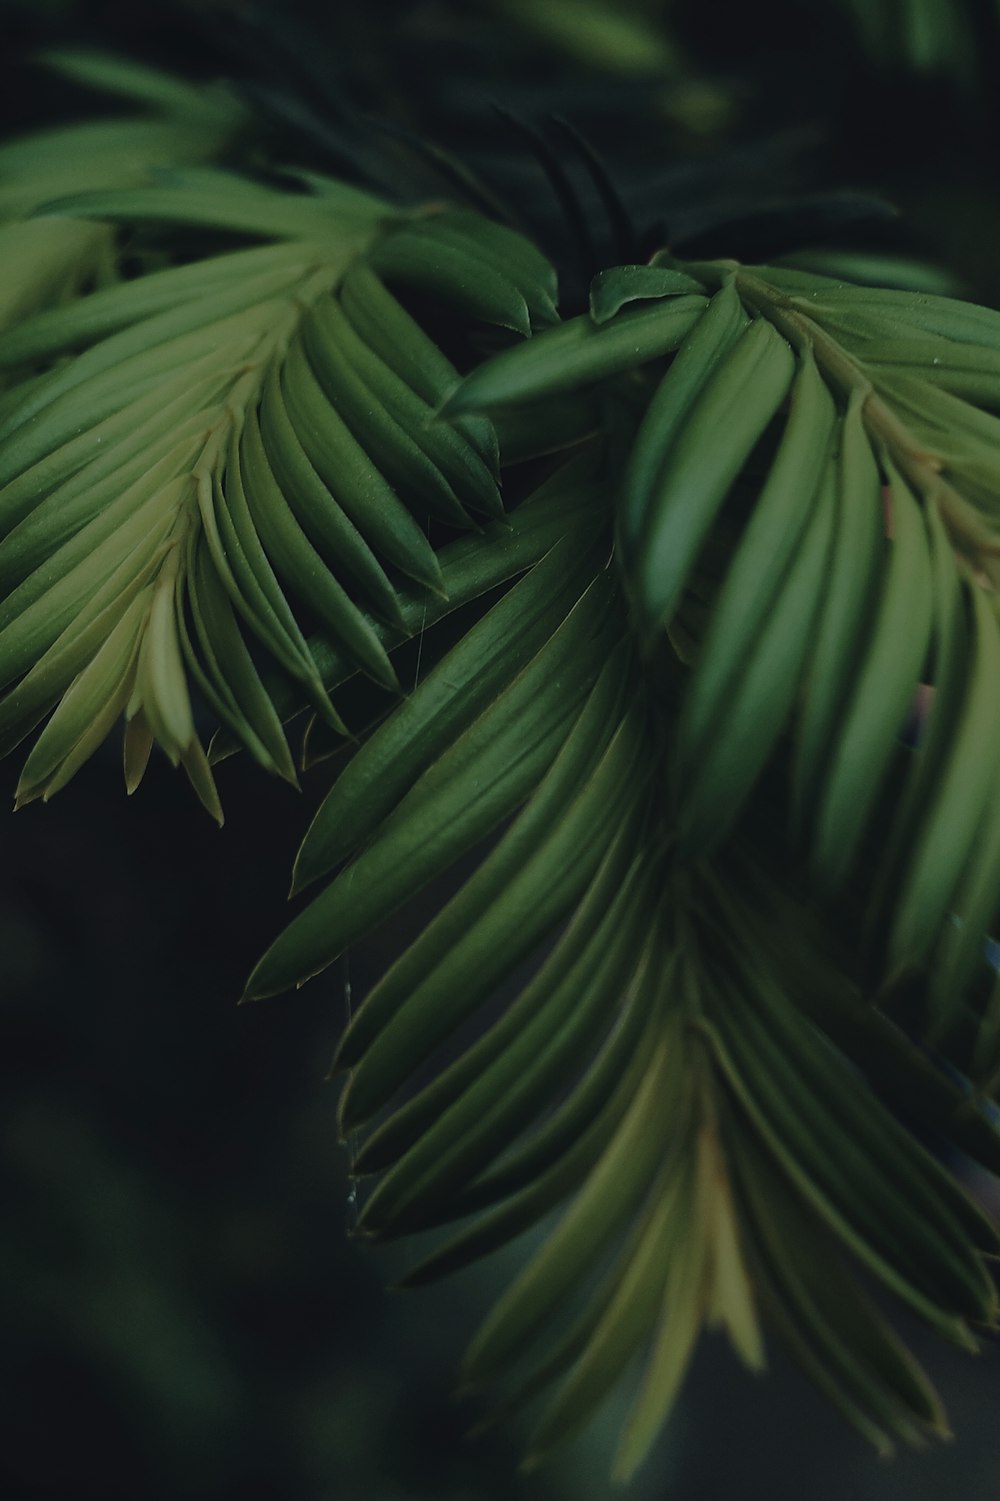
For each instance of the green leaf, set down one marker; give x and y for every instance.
(611, 290)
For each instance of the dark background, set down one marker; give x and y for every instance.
(182, 1313)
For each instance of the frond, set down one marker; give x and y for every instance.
(760, 535)
(803, 536)
(664, 1070)
(226, 430)
(826, 620)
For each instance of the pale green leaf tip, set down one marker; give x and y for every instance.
(338, 1065)
(335, 1070)
(623, 1470)
(257, 988)
(347, 1124)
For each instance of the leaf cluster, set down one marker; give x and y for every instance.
(716, 725)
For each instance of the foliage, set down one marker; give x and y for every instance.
(664, 710)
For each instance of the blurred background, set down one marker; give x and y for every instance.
(182, 1311)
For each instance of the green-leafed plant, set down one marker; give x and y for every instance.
(705, 579)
